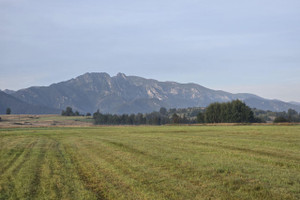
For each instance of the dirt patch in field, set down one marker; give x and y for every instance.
(18, 121)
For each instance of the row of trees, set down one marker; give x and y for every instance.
(290, 116)
(69, 112)
(231, 112)
(154, 118)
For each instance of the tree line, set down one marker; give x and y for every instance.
(276, 117)
(154, 118)
(289, 116)
(235, 111)
(69, 112)
(231, 112)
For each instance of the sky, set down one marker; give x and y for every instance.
(234, 45)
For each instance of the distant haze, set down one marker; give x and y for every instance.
(236, 46)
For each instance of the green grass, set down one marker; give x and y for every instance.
(150, 162)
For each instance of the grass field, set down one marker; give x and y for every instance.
(150, 162)
(17, 121)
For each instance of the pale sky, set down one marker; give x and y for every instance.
(233, 45)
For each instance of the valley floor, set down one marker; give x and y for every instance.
(150, 162)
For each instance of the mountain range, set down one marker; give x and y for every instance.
(124, 94)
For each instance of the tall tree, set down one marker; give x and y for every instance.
(163, 111)
(175, 119)
(200, 118)
(231, 112)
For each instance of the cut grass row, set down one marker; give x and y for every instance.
(148, 162)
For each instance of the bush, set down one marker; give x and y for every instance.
(280, 119)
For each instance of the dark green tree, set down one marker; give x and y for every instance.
(163, 111)
(241, 113)
(175, 119)
(212, 113)
(231, 112)
(200, 118)
(8, 111)
(140, 119)
(292, 115)
(67, 112)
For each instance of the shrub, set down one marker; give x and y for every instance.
(280, 119)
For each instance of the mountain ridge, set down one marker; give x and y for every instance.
(132, 94)
(19, 107)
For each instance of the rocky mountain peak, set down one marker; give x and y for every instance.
(121, 75)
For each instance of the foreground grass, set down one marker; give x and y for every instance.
(168, 162)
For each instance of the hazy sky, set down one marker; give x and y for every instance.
(233, 45)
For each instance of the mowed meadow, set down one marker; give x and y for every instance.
(150, 162)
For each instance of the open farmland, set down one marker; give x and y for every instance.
(150, 162)
(17, 121)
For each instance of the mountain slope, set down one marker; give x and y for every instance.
(295, 103)
(272, 105)
(19, 107)
(132, 94)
